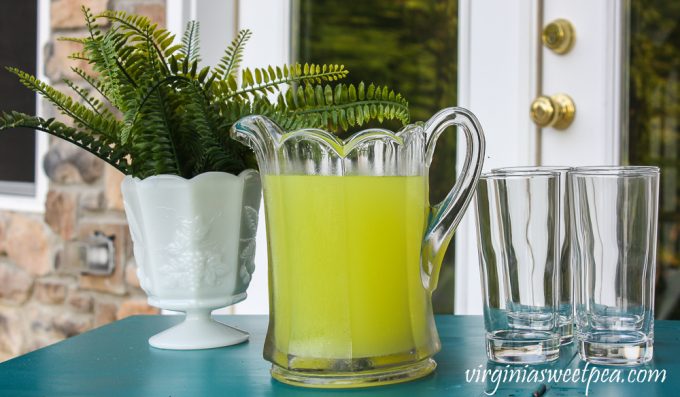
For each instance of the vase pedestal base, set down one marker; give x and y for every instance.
(198, 331)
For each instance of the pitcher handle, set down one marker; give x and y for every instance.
(445, 216)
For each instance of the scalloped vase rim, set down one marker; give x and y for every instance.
(192, 180)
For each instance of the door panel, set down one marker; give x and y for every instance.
(591, 74)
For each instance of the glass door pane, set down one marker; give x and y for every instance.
(410, 45)
(654, 129)
(18, 38)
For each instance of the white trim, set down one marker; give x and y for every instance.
(218, 21)
(464, 240)
(270, 44)
(497, 80)
(36, 203)
(177, 14)
(17, 188)
(617, 123)
(269, 21)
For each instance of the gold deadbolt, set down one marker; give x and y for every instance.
(555, 111)
(559, 36)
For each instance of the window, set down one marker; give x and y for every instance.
(22, 182)
(18, 35)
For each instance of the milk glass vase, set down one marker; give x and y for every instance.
(194, 243)
(355, 248)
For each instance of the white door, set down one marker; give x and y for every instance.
(591, 73)
(506, 66)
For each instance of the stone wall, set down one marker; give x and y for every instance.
(43, 298)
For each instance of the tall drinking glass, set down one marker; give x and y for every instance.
(518, 232)
(566, 294)
(614, 240)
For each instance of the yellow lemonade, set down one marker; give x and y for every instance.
(345, 274)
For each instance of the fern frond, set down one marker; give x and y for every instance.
(79, 56)
(96, 123)
(91, 81)
(79, 40)
(151, 132)
(338, 108)
(99, 146)
(93, 103)
(190, 43)
(151, 141)
(102, 52)
(264, 81)
(144, 64)
(233, 56)
(140, 28)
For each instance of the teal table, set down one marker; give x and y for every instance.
(115, 360)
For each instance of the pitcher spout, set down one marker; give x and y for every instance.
(260, 134)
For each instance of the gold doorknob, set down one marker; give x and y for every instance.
(557, 111)
(559, 36)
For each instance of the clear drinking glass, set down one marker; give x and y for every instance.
(566, 294)
(614, 240)
(518, 232)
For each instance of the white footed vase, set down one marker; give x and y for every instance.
(194, 243)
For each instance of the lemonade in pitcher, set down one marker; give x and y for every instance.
(347, 284)
(355, 247)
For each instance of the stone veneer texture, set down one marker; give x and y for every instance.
(43, 299)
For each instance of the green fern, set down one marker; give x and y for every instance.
(152, 109)
(97, 145)
(190, 43)
(233, 56)
(260, 79)
(339, 108)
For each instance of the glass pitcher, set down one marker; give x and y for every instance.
(355, 248)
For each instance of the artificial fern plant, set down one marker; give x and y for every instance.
(160, 113)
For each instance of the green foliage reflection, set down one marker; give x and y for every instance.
(654, 125)
(407, 44)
